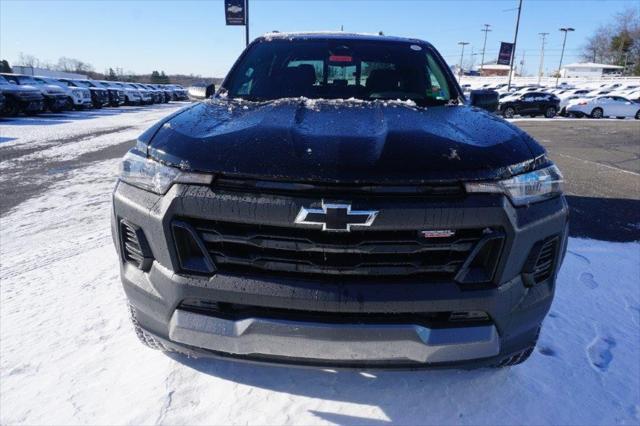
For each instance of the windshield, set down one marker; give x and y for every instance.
(340, 69)
(51, 81)
(28, 80)
(81, 83)
(3, 80)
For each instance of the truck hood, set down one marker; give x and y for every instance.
(45, 89)
(340, 141)
(14, 88)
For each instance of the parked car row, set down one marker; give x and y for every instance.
(604, 100)
(34, 94)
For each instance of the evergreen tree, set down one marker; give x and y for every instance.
(5, 67)
(112, 76)
(155, 77)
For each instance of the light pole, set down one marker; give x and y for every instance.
(541, 69)
(463, 44)
(513, 51)
(246, 22)
(564, 42)
(485, 30)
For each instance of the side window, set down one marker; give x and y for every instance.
(439, 86)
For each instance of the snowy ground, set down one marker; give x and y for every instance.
(68, 354)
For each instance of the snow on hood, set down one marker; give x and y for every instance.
(341, 140)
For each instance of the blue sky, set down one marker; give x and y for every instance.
(190, 37)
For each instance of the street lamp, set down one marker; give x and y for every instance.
(564, 42)
(463, 44)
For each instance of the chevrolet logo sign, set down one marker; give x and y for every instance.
(335, 217)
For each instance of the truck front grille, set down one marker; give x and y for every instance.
(250, 248)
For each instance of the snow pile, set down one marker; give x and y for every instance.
(69, 355)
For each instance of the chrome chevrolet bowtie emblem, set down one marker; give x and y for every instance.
(335, 217)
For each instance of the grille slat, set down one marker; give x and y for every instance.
(135, 249)
(546, 259)
(306, 245)
(245, 248)
(132, 249)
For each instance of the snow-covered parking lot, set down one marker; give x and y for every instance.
(68, 354)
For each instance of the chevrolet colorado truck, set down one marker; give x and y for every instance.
(340, 202)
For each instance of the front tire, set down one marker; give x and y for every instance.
(597, 113)
(11, 108)
(638, 115)
(508, 112)
(147, 339)
(550, 112)
(519, 357)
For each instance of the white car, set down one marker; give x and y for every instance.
(132, 95)
(77, 97)
(604, 106)
(566, 100)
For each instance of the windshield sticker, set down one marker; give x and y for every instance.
(340, 58)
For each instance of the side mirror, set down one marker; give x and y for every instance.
(485, 99)
(210, 91)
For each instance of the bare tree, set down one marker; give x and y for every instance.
(73, 65)
(27, 60)
(617, 42)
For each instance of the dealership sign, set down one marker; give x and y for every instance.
(506, 50)
(234, 12)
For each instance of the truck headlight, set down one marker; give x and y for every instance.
(150, 175)
(526, 188)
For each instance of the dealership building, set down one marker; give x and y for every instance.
(590, 70)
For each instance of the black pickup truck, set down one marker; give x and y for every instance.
(54, 98)
(99, 95)
(340, 202)
(19, 99)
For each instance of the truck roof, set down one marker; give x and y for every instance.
(338, 35)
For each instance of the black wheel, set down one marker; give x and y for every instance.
(515, 359)
(638, 115)
(55, 109)
(519, 357)
(146, 338)
(550, 112)
(11, 108)
(508, 112)
(69, 104)
(597, 113)
(533, 115)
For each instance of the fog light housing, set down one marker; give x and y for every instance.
(192, 253)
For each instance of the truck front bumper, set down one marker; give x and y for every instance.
(313, 322)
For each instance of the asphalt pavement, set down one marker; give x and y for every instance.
(600, 160)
